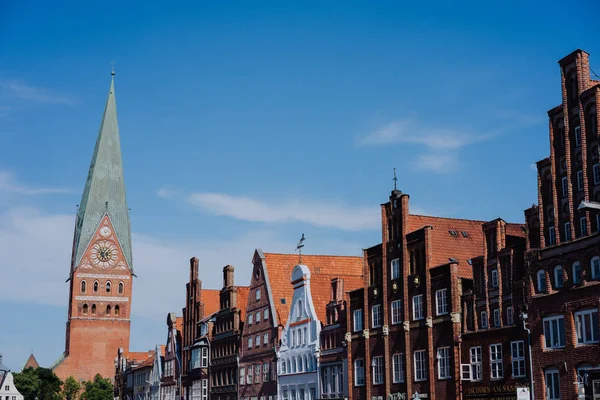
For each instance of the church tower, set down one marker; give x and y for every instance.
(101, 270)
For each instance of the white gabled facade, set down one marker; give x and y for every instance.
(8, 390)
(298, 355)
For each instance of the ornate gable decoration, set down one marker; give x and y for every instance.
(104, 250)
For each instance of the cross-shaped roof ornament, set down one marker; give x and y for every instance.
(299, 247)
(395, 179)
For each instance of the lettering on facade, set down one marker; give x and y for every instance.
(376, 397)
(497, 392)
(397, 396)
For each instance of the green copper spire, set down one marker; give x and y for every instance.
(104, 191)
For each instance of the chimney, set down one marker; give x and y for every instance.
(228, 276)
(337, 289)
(193, 269)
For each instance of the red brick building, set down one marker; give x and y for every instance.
(226, 337)
(406, 322)
(494, 345)
(563, 259)
(101, 271)
(267, 311)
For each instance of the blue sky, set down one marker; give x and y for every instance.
(245, 124)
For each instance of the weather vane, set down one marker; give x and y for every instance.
(299, 249)
(395, 179)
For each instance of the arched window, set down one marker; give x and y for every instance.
(293, 338)
(576, 272)
(595, 267)
(93, 309)
(121, 287)
(117, 310)
(107, 286)
(558, 277)
(541, 281)
(95, 286)
(289, 367)
(305, 364)
(108, 310)
(85, 309)
(83, 286)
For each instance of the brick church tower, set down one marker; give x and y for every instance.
(101, 271)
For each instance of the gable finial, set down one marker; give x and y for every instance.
(395, 179)
(299, 247)
(112, 71)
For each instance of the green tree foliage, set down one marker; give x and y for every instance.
(38, 383)
(71, 388)
(98, 389)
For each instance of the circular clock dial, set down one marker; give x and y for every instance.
(104, 254)
(105, 231)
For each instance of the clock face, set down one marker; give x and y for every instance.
(104, 254)
(105, 231)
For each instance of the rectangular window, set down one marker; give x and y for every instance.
(565, 186)
(494, 278)
(552, 384)
(551, 235)
(396, 312)
(475, 360)
(443, 358)
(517, 351)
(359, 372)
(266, 314)
(567, 231)
(496, 371)
(595, 267)
(377, 370)
(554, 332)
(265, 372)
(586, 323)
(441, 301)
(257, 341)
(257, 296)
(496, 317)
(577, 136)
(596, 174)
(510, 316)
(250, 342)
(484, 320)
(398, 368)
(257, 319)
(395, 268)
(250, 319)
(266, 339)
(257, 373)
(358, 320)
(376, 316)
(204, 357)
(580, 181)
(250, 375)
(417, 307)
(420, 365)
(582, 226)
(195, 358)
(204, 389)
(242, 376)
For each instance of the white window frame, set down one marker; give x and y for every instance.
(204, 357)
(265, 370)
(257, 317)
(204, 389)
(579, 181)
(444, 363)
(595, 267)
(578, 136)
(510, 315)
(441, 301)
(377, 365)
(266, 314)
(541, 281)
(266, 339)
(257, 373)
(552, 235)
(420, 365)
(398, 368)
(585, 325)
(576, 275)
(250, 342)
(396, 312)
(567, 231)
(583, 226)
(359, 372)
(496, 366)
(357, 320)
(395, 269)
(242, 376)
(250, 375)
(196, 358)
(257, 341)
(484, 320)
(494, 278)
(376, 317)
(475, 359)
(552, 376)
(517, 351)
(558, 280)
(565, 186)
(417, 305)
(497, 317)
(250, 319)
(549, 330)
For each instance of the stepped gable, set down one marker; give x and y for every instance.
(323, 269)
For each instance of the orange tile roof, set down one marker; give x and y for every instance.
(211, 300)
(323, 269)
(242, 300)
(148, 362)
(515, 230)
(137, 356)
(445, 246)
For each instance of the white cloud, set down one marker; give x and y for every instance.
(10, 186)
(167, 192)
(321, 214)
(19, 90)
(36, 258)
(438, 162)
